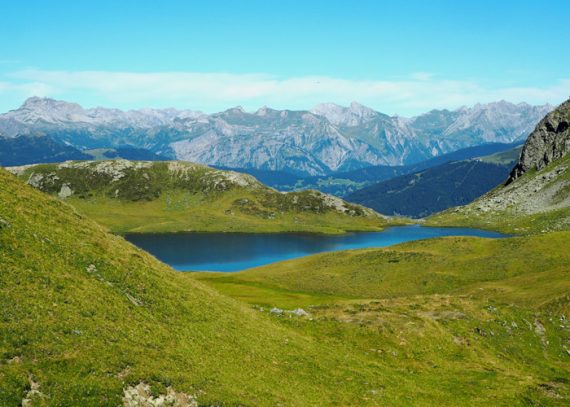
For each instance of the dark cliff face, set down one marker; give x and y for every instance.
(549, 141)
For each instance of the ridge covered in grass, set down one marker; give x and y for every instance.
(144, 196)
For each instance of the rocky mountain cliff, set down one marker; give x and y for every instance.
(329, 138)
(549, 142)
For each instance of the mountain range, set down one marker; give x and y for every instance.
(326, 139)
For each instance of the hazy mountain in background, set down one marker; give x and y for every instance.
(329, 138)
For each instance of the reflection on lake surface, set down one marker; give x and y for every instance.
(239, 251)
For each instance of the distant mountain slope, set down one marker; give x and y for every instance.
(36, 149)
(280, 180)
(433, 190)
(128, 153)
(329, 138)
(344, 183)
(536, 197)
(436, 132)
(143, 196)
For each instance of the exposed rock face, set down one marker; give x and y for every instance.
(65, 191)
(549, 142)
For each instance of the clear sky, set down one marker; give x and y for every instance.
(399, 57)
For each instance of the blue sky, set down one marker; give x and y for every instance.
(398, 57)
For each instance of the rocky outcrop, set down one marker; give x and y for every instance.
(549, 142)
(33, 395)
(141, 396)
(529, 196)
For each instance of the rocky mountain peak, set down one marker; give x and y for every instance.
(262, 111)
(346, 116)
(361, 110)
(549, 141)
(33, 101)
(329, 138)
(36, 103)
(267, 111)
(236, 109)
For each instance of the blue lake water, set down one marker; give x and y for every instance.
(239, 251)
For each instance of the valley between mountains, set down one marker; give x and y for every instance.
(86, 318)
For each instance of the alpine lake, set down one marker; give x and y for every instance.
(229, 252)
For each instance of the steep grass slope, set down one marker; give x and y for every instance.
(144, 196)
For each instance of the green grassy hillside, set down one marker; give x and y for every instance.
(84, 315)
(144, 196)
(478, 320)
